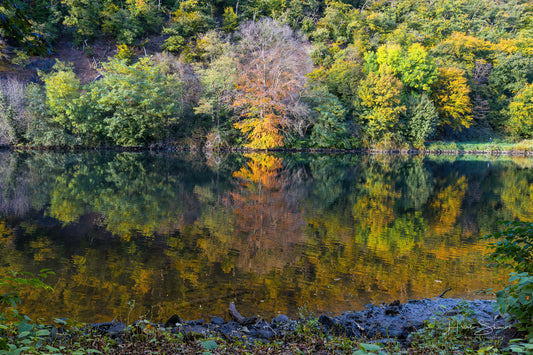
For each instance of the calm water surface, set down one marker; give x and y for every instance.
(149, 235)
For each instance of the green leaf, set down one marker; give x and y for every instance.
(209, 345)
(517, 349)
(23, 334)
(43, 333)
(369, 347)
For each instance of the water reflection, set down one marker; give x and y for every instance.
(187, 234)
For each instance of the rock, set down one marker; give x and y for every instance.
(230, 330)
(266, 334)
(113, 329)
(326, 321)
(393, 308)
(217, 320)
(280, 319)
(394, 322)
(172, 321)
(195, 322)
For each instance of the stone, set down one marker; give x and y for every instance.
(266, 333)
(393, 308)
(326, 321)
(280, 319)
(217, 320)
(172, 321)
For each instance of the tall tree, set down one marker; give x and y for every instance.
(450, 95)
(380, 105)
(521, 112)
(273, 63)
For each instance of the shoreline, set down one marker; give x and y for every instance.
(174, 148)
(389, 325)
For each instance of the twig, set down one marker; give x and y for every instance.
(442, 294)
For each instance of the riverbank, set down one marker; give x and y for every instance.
(426, 326)
(524, 148)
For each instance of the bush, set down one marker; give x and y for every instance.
(514, 248)
(18, 333)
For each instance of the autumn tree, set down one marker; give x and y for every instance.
(273, 62)
(379, 105)
(521, 113)
(450, 95)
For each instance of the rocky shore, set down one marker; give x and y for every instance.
(386, 323)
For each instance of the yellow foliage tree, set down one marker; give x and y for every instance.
(521, 113)
(380, 103)
(462, 50)
(62, 90)
(450, 96)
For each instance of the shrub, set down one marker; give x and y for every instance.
(514, 248)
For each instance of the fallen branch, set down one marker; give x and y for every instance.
(236, 316)
(442, 294)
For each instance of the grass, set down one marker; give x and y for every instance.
(496, 146)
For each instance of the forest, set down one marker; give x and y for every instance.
(266, 74)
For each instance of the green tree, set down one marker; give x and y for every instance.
(189, 20)
(63, 90)
(264, 8)
(231, 20)
(302, 13)
(84, 17)
(418, 69)
(510, 74)
(380, 105)
(329, 130)
(218, 77)
(15, 25)
(414, 66)
(43, 130)
(420, 119)
(132, 104)
(344, 77)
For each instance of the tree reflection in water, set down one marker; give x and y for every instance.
(186, 234)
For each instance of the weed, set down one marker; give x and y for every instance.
(456, 334)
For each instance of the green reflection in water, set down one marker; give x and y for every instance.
(187, 233)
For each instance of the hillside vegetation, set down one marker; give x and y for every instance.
(268, 73)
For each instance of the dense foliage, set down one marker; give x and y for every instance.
(273, 73)
(514, 248)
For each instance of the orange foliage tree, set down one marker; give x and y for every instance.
(273, 63)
